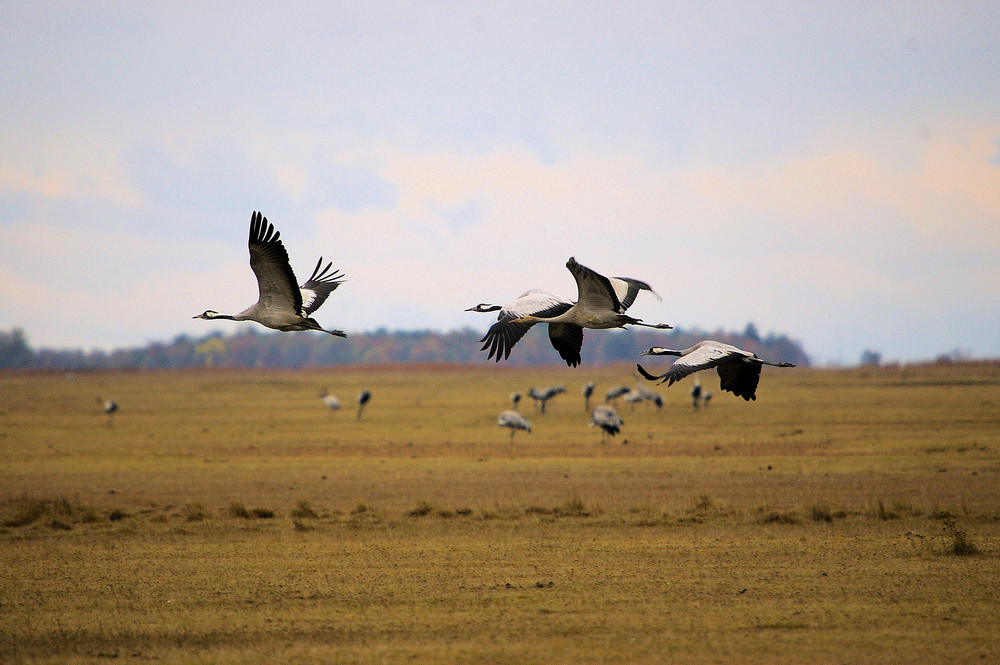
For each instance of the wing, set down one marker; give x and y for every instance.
(567, 339)
(740, 378)
(595, 290)
(319, 287)
(627, 289)
(275, 280)
(503, 335)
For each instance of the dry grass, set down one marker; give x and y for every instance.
(846, 516)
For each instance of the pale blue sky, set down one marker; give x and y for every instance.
(826, 170)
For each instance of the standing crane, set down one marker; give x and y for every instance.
(281, 304)
(739, 370)
(696, 391)
(615, 393)
(110, 407)
(515, 421)
(632, 397)
(607, 419)
(648, 395)
(504, 334)
(588, 390)
(363, 398)
(330, 401)
(544, 395)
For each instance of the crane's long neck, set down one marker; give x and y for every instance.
(211, 315)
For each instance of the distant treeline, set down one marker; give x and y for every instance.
(250, 348)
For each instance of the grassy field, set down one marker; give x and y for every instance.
(228, 517)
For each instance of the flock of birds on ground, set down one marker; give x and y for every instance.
(604, 416)
(601, 304)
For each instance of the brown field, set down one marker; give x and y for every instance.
(847, 516)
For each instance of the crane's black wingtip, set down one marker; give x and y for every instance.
(646, 374)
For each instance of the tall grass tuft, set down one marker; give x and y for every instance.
(239, 511)
(767, 515)
(572, 508)
(818, 513)
(422, 509)
(960, 544)
(361, 509)
(60, 513)
(195, 512)
(26, 510)
(822, 513)
(886, 514)
(302, 509)
(702, 503)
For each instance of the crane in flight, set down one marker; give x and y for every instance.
(739, 370)
(601, 302)
(504, 334)
(281, 303)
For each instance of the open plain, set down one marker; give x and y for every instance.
(227, 516)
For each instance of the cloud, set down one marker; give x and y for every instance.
(95, 181)
(965, 171)
(784, 243)
(802, 244)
